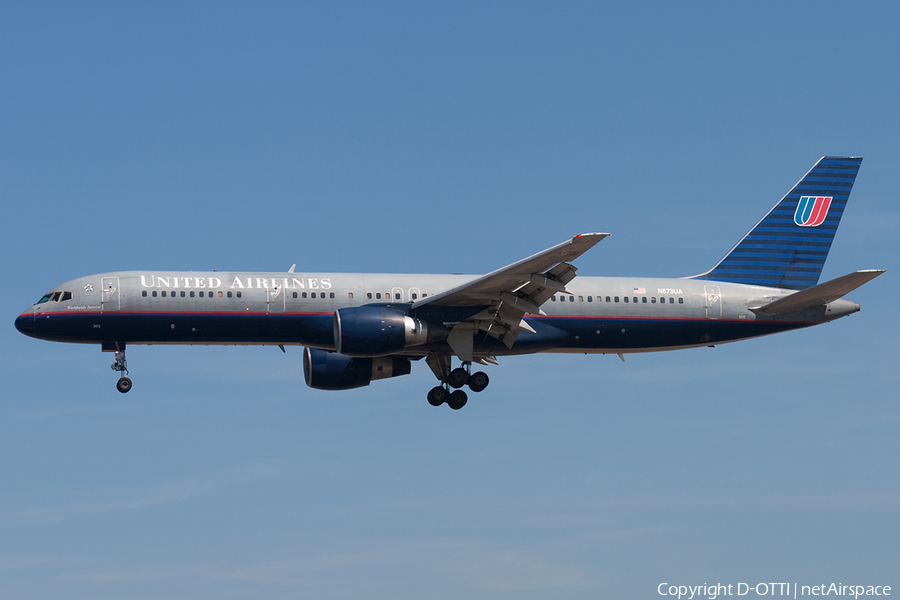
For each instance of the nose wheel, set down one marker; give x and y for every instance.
(124, 383)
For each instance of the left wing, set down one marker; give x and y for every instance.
(510, 293)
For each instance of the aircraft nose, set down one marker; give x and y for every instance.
(25, 322)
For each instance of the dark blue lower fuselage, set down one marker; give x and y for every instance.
(559, 333)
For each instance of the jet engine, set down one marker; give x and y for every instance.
(376, 331)
(325, 370)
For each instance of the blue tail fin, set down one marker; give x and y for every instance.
(788, 247)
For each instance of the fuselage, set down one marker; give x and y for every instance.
(599, 315)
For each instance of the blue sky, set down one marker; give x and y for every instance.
(455, 137)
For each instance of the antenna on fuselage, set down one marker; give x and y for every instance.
(293, 266)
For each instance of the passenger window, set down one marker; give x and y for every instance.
(66, 296)
(424, 295)
(331, 295)
(229, 294)
(607, 299)
(182, 293)
(617, 299)
(303, 295)
(378, 296)
(680, 300)
(350, 295)
(144, 293)
(415, 296)
(154, 293)
(312, 294)
(553, 298)
(644, 299)
(626, 298)
(192, 294)
(369, 295)
(164, 293)
(396, 296)
(590, 298)
(201, 294)
(238, 294)
(581, 298)
(562, 298)
(295, 294)
(653, 300)
(221, 295)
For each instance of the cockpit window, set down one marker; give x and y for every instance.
(55, 297)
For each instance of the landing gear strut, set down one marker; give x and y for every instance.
(455, 378)
(124, 383)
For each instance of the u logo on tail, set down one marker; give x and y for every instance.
(811, 210)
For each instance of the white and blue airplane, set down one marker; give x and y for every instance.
(360, 327)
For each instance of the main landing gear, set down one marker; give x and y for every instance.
(124, 383)
(456, 379)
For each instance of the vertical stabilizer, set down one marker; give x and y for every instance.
(788, 247)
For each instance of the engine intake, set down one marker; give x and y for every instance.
(325, 370)
(376, 331)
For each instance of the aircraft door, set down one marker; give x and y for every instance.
(713, 302)
(397, 295)
(109, 294)
(275, 297)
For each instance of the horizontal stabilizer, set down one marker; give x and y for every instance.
(819, 294)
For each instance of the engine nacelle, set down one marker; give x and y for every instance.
(325, 370)
(376, 331)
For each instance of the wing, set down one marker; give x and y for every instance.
(508, 294)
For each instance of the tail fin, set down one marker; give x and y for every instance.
(788, 247)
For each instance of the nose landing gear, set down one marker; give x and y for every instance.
(124, 384)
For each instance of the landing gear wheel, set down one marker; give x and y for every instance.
(123, 385)
(437, 396)
(457, 400)
(478, 381)
(457, 377)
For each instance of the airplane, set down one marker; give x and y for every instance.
(357, 328)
